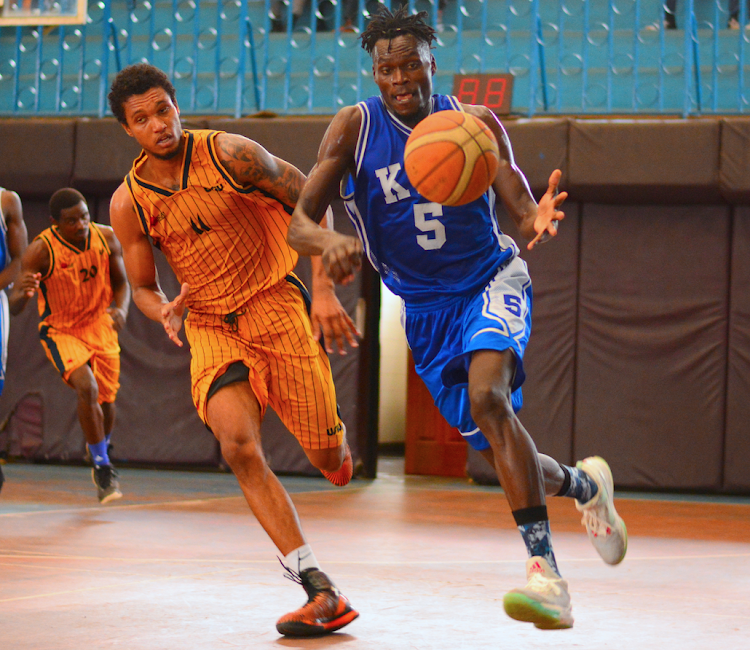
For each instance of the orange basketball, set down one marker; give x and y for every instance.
(451, 158)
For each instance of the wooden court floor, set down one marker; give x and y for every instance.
(179, 563)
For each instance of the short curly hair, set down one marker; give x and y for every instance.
(63, 199)
(135, 80)
(387, 25)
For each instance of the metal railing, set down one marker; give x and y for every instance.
(234, 57)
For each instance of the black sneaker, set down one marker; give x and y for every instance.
(107, 487)
(325, 611)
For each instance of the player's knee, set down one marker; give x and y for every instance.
(489, 401)
(87, 391)
(239, 445)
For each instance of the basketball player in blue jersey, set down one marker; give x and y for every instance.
(466, 293)
(13, 243)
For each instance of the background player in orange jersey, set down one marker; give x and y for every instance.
(13, 243)
(218, 206)
(76, 268)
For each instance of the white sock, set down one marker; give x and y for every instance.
(301, 558)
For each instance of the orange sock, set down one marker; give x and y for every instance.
(343, 474)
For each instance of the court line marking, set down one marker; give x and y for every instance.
(112, 586)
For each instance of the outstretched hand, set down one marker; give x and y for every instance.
(171, 314)
(547, 215)
(331, 322)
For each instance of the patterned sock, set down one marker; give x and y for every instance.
(577, 484)
(99, 454)
(533, 525)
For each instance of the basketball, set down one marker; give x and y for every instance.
(451, 158)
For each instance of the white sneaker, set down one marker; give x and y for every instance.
(605, 527)
(544, 601)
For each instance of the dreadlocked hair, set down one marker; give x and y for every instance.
(387, 25)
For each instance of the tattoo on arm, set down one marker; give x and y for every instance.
(250, 164)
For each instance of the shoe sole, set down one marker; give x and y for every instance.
(298, 628)
(113, 496)
(604, 474)
(525, 609)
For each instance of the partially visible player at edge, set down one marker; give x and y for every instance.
(218, 205)
(13, 242)
(467, 294)
(76, 268)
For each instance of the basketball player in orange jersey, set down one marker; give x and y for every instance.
(466, 292)
(13, 243)
(76, 268)
(218, 206)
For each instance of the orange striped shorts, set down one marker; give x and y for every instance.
(288, 369)
(95, 344)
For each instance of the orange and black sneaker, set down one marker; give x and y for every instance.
(325, 611)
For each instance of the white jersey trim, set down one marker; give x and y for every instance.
(364, 133)
(359, 226)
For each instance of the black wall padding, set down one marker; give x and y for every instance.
(539, 147)
(651, 350)
(644, 161)
(734, 173)
(737, 450)
(37, 155)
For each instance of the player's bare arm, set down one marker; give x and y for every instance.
(16, 236)
(248, 164)
(118, 280)
(341, 254)
(34, 266)
(536, 223)
(141, 268)
(330, 322)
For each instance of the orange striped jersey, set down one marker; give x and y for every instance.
(76, 290)
(226, 241)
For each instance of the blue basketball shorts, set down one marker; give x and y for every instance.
(442, 343)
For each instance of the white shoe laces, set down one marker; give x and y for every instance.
(595, 524)
(541, 584)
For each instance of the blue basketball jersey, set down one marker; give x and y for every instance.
(428, 254)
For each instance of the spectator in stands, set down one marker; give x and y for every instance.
(734, 15)
(13, 243)
(670, 15)
(279, 20)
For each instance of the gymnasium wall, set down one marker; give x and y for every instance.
(640, 350)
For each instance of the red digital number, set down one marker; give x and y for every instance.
(495, 94)
(468, 91)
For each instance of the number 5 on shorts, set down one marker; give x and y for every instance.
(513, 304)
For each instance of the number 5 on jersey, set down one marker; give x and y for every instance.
(424, 219)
